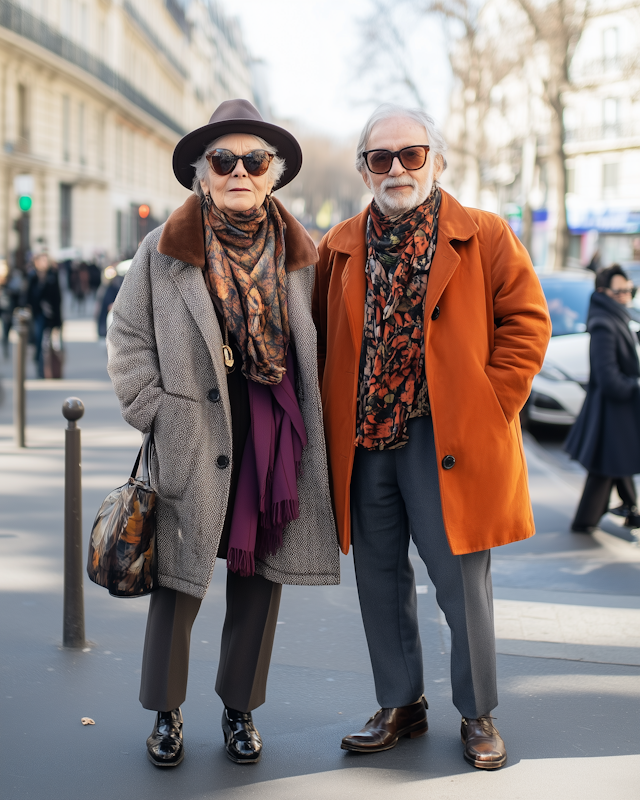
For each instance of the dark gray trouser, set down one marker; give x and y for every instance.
(245, 650)
(395, 494)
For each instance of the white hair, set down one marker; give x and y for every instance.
(437, 144)
(201, 166)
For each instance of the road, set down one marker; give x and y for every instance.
(567, 621)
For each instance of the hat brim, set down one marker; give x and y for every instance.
(191, 147)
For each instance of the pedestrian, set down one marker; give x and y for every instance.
(605, 438)
(213, 349)
(107, 293)
(12, 295)
(45, 299)
(431, 325)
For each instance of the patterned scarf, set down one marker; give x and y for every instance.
(245, 269)
(399, 255)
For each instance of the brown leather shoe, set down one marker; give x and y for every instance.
(388, 725)
(483, 745)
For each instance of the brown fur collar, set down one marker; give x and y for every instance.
(183, 237)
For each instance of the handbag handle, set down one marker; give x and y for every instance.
(144, 454)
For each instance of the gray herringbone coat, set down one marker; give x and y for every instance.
(165, 355)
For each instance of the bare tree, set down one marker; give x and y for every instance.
(558, 25)
(481, 56)
(479, 59)
(383, 52)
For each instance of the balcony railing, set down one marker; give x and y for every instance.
(19, 21)
(597, 133)
(600, 67)
(153, 38)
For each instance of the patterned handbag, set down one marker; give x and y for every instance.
(123, 538)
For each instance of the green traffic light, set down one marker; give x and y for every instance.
(25, 203)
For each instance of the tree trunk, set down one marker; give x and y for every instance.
(556, 204)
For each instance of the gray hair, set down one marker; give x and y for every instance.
(201, 166)
(437, 144)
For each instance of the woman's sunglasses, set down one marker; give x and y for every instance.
(380, 161)
(224, 161)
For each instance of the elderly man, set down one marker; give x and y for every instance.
(431, 325)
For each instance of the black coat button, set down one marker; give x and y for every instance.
(214, 395)
(222, 462)
(436, 313)
(448, 462)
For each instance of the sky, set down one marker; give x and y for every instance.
(311, 49)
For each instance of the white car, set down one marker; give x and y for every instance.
(558, 391)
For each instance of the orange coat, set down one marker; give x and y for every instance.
(486, 333)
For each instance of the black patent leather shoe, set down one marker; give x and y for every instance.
(164, 746)
(241, 739)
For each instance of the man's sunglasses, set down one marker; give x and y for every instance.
(380, 161)
(224, 161)
(620, 292)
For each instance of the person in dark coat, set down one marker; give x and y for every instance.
(606, 436)
(108, 292)
(45, 299)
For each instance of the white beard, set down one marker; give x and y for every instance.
(392, 204)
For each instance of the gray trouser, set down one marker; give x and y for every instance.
(245, 650)
(395, 494)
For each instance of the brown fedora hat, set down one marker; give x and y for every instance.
(235, 116)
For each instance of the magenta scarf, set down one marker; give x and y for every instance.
(267, 495)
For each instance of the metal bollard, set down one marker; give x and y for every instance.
(21, 323)
(73, 624)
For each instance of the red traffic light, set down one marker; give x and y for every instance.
(143, 211)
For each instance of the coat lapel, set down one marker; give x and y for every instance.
(349, 239)
(190, 283)
(454, 224)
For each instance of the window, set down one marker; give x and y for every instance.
(119, 150)
(102, 37)
(81, 135)
(610, 45)
(66, 17)
(129, 155)
(609, 179)
(571, 180)
(84, 25)
(66, 128)
(610, 116)
(119, 232)
(23, 117)
(100, 139)
(65, 214)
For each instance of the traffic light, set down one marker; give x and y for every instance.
(25, 201)
(143, 211)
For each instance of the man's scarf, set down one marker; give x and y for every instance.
(246, 277)
(399, 255)
(246, 270)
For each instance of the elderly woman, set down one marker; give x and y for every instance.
(213, 350)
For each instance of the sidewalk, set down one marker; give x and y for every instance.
(567, 619)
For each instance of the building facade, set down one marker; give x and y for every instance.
(603, 140)
(501, 153)
(94, 95)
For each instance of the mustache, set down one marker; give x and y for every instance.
(402, 180)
